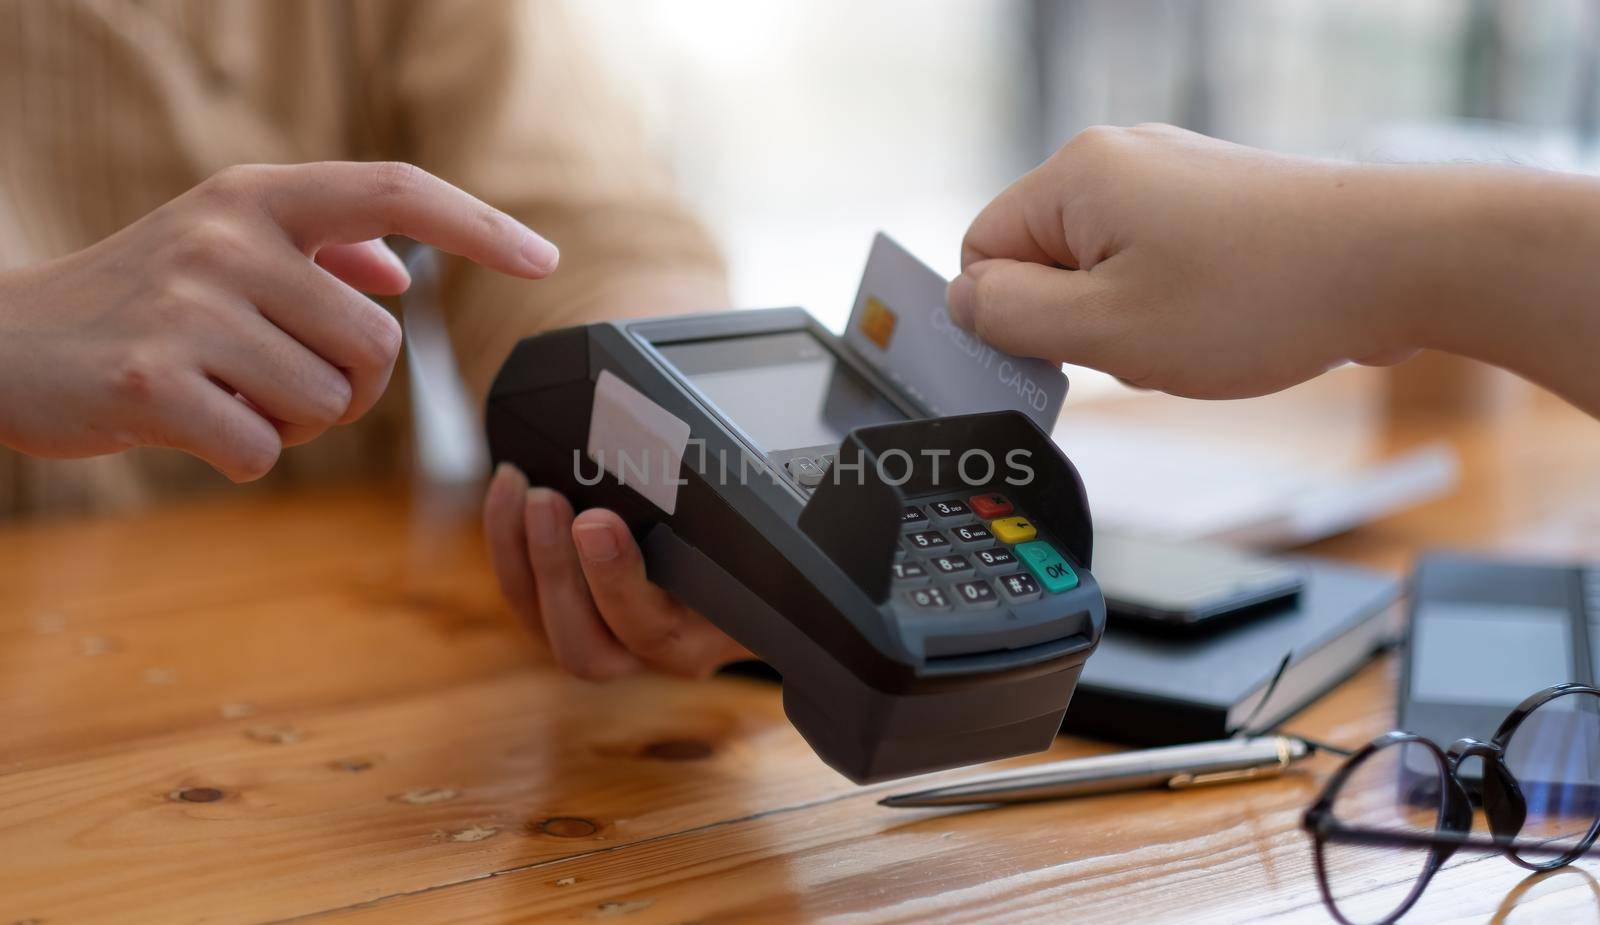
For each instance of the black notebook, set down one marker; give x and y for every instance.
(1145, 689)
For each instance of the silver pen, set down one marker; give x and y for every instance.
(1175, 766)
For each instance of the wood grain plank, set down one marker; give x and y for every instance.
(250, 546)
(323, 811)
(1227, 855)
(1232, 854)
(1223, 862)
(231, 620)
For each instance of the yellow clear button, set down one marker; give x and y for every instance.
(1013, 529)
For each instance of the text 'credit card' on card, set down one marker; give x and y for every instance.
(901, 327)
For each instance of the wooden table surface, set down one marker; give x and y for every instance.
(313, 707)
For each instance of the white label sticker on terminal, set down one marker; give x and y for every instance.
(637, 440)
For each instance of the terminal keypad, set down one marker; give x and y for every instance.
(973, 553)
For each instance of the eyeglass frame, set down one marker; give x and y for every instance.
(1454, 828)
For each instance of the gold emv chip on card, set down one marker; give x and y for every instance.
(877, 323)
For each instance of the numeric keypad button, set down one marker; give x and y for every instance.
(909, 572)
(1020, 587)
(928, 599)
(971, 535)
(950, 565)
(976, 594)
(946, 511)
(913, 518)
(997, 559)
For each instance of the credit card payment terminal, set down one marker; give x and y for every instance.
(920, 582)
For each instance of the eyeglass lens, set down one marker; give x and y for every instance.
(1397, 788)
(1554, 756)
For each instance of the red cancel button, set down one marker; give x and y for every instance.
(990, 506)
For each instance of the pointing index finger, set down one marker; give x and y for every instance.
(342, 202)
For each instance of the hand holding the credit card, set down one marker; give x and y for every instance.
(1194, 266)
(1202, 268)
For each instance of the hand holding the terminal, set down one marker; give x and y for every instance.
(580, 581)
(230, 322)
(1211, 270)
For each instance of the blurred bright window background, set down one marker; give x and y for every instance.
(797, 129)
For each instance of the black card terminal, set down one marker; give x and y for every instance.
(921, 583)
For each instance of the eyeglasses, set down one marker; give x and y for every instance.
(1400, 807)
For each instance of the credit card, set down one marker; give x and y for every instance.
(901, 327)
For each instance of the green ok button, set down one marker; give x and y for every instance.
(1047, 565)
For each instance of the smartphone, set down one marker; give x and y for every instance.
(1187, 587)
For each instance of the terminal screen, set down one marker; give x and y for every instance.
(784, 391)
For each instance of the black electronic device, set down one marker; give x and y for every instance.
(921, 583)
(1146, 688)
(1484, 632)
(1188, 587)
